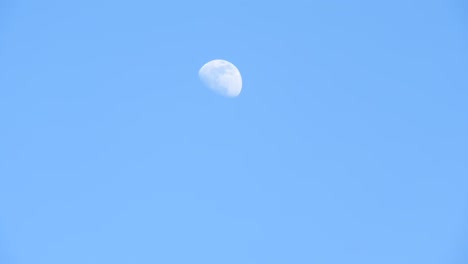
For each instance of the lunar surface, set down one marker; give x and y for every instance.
(222, 77)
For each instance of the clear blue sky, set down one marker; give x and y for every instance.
(348, 143)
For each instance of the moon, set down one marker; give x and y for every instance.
(222, 77)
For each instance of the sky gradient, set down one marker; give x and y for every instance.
(348, 143)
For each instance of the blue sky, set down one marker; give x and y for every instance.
(348, 143)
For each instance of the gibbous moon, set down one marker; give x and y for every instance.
(222, 77)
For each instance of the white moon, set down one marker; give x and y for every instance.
(222, 77)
